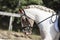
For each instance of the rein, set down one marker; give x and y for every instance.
(48, 18)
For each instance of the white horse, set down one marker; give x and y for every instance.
(46, 20)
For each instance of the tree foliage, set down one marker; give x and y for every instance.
(14, 5)
(29, 2)
(8, 5)
(54, 4)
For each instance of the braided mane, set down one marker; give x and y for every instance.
(41, 8)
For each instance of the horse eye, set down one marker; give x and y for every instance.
(24, 17)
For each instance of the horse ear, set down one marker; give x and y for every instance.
(21, 11)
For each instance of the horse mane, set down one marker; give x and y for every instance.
(41, 8)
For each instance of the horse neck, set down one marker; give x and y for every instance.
(41, 15)
(37, 14)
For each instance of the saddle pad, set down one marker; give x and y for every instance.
(59, 23)
(56, 25)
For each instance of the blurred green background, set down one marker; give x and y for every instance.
(14, 5)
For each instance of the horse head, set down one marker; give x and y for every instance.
(26, 22)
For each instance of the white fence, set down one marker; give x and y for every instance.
(12, 15)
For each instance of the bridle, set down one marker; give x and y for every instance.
(28, 27)
(25, 14)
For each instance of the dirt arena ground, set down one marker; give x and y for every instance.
(11, 35)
